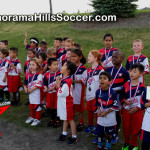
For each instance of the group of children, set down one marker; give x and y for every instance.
(112, 92)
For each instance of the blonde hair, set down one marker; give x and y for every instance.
(138, 40)
(70, 41)
(97, 55)
(51, 51)
(37, 62)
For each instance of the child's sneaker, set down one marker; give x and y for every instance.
(36, 122)
(50, 123)
(94, 132)
(133, 148)
(62, 138)
(72, 140)
(80, 127)
(108, 145)
(89, 129)
(29, 120)
(95, 141)
(56, 124)
(114, 139)
(125, 147)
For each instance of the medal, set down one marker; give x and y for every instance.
(89, 88)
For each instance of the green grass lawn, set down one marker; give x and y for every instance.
(14, 33)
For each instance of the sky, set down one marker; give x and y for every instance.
(42, 6)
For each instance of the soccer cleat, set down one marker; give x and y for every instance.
(89, 129)
(56, 124)
(115, 139)
(50, 123)
(125, 147)
(80, 127)
(108, 145)
(29, 120)
(62, 138)
(94, 132)
(72, 140)
(95, 141)
(132, 148)
(36, 122)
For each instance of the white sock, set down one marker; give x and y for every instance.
(74, 136)
(64, 133)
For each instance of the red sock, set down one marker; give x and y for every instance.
(38, 115)
(0, 134)
(91, 118)
(81, 121)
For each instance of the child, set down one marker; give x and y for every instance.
(145, 130)
(14, 71)
(49, 87)
(43, 62)
(138, 58)
(106, 102)
(59, 49)
(77, 46)
(43, 47)
(119, 77)
(79, 80)
(51, 52)
(32, 85)
(107, 51)
(3, 75)
(132, 94)
(63, 41)
(31, 54)
(65, 102)
(3, 44)
(94, 58)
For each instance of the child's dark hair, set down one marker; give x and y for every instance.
(43, 55)
(59, 39)
(71, 67)
(14, 49)
(43, 43)
(107, 74)
(137, 66)
(50, 61)
(77, 45)
(79, 53)
(5, 42)
(108, 35)
(65, 38)
(4, 52)
(35, 40)
(32, 50)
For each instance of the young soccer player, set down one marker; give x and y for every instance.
(107, 51)
(94, 58)
(63, 41)
(49, 84)
(14, 71)
(51, 52)
(79, 80)
(43, 62)
(3, 44)
(77, 46)
(133, 93)
(32, 85)
(65, 101)
(145, 130)
(138, 57)
(119, 77)
(3, 76)
(107, 104)
(43, 47)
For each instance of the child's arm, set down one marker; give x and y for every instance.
(25, 40)
(147, 105)
(5, 77)
(32, 89)
(103, 114)
(25, 89)
(99, 111)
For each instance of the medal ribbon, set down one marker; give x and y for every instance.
(107, 55)
(49, 80)
(137, 58)
(31, 79)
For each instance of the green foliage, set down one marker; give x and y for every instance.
(120, 8)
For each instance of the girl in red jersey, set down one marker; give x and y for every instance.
(79, 79)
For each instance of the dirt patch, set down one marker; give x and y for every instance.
(141, 20)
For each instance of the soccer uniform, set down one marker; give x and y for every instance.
(61, 62)
(79, 88)
(50, 81)
(26, 67)
(107, 56)
(65, 100)
(34, 80)
(106, 99)
(60, 51)
(142, 59)
(132, 122)
(14, 76)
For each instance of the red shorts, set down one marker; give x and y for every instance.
(90, 105)
(13, 83)
(51, 100)
(42, 94)
(78, 107)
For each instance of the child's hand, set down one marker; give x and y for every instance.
(8, 69)
(25, 89)
(132, 110)
(4, 80)
(30, 91)
(99, 113)
(103, 114)
(12, 65)
(25, 34)
(127, 102)
(51, 89)
(45, 89)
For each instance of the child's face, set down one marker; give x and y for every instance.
(12, 54)
(68, 45)
(54, 66)
(30, 54)
(75, 58)
(43, 47)
(57, 43)
(33, 44)
(33, 66)
(64, 69)
(116, 59)
(40, 59)
(108, 42)
(135, 74)
(104, 82)
(2, 56)
(51, 56)
(137, 47)
(63, 44)
(68, 56)
(91, 59)
(2, 45)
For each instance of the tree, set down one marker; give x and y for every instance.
(50, 3)
(120, 8)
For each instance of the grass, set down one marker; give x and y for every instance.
(14, 33)
(143, 11)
